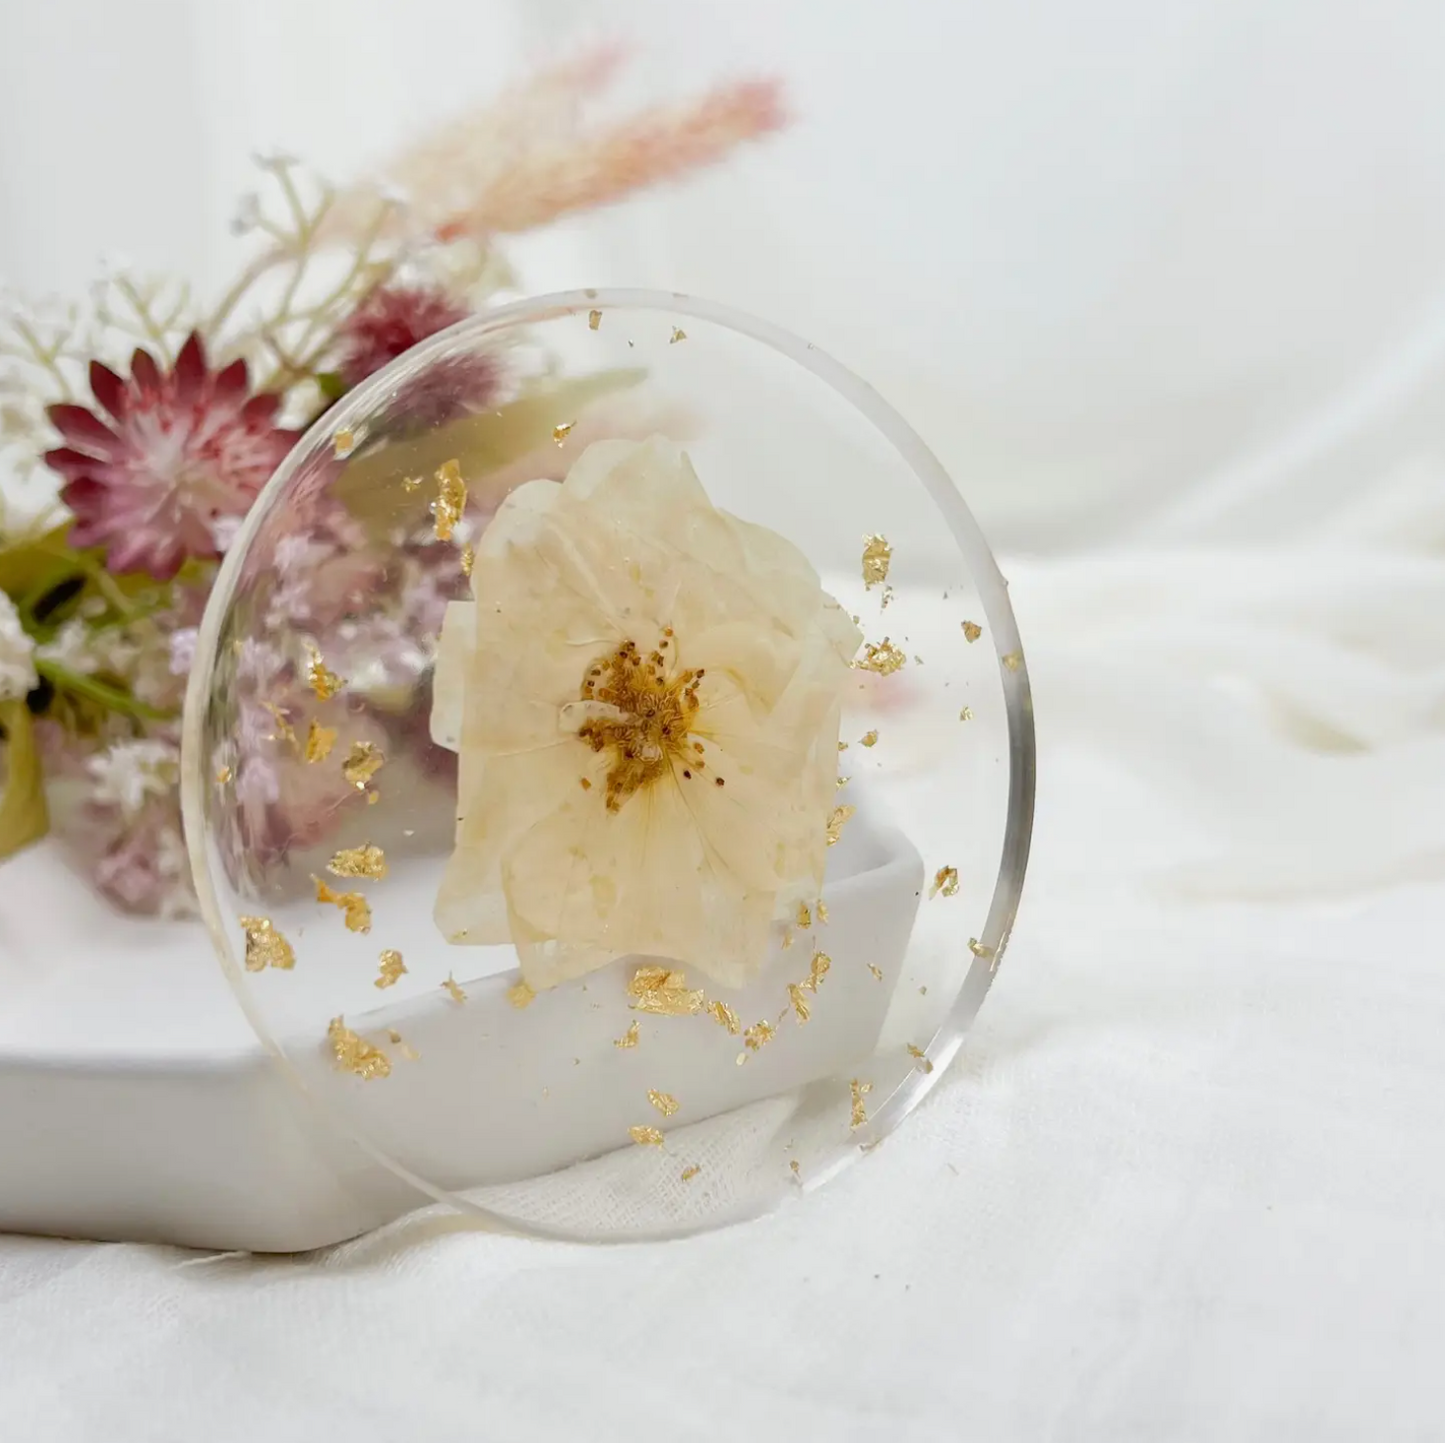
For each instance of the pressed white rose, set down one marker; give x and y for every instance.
(645, 699)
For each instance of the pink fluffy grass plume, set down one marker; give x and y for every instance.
(164, 457)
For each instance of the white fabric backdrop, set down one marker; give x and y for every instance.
(1163, 285)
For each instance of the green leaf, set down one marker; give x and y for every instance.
(24, 817)
(330, 384)
(370, 486)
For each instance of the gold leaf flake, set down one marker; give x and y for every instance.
(663, 992)
(887, 597)
(818, 969)
(362, 763)
(367, 861)
(322, 680)
(841, 782)
(688, 1173)
(805, 917)
(966, 714)
(877, 555)
(628, 1038)
(355, 1054)
(284, 732)
(594, 319)
(799, 1001)
(945, 880)
(451, 500)
(407, 1050)
(978, 949)
(469, 558)
(319, 741)
(678, 334)
(724, 1016)
(353, 906)
(795, 1167)
(265, 946)
(858, 1091)
(664, 1102)
(836, 818)
(869, 739)
(560, 433)
(343, 442)
(787, 938)
(842, 746)
(758, 1035)
(971, 630)
(452, 990)
(822, 910)
(919, 1055)
(411, 483)
(223, 775)
(372, 798)
(885, 658)
(1013, 661)
(520, 995)
(646, 1136)
(393, 969)
(876, 971)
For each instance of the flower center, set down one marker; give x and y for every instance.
(639, 712)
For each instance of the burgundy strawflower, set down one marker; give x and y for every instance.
(390, 322)
(174, 452)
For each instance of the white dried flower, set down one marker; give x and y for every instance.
(128, 773)
(645, 699)
(17, 654)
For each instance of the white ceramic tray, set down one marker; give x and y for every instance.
(135, 1102)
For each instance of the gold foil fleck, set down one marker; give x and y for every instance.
(362, 763)
(594, 319)
(343, 442)
(629, 1038)
(858, 1091)
(887, 597)
(663, 992)
(411, 483)
(284, 732)
(664, 1102)
(945, 880)
(818, 968)
(452, 990)
(841, 782)
(319, 741)
(451, 500)
(799, 1001)
(869, 738)
(966, 714)
(724, 1016)
(322, 680)
(971, 630)
(877, 555)
(787, 938)
(367, 860)
(688, 1173)
(978, 949)
(822, 910)
(265, 946)
(805, 917)
(678, 334)
(836, 819)
(223, 775)
(353, 906)
(520, 995)
(876, 971)
(393, 969)
(469, 558)
(407, 1050)
(354, 1054)
(919, 1055)
(842, 746)
(560, 433)
(1013, 661)
(795, 1167)
(646, 1136)
(884, 659)
(758, 1036)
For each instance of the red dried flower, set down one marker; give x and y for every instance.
(173, 453)
(389, 323)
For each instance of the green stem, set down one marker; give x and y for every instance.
(63, 679)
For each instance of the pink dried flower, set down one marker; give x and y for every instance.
(173, 453)
(389, 323)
